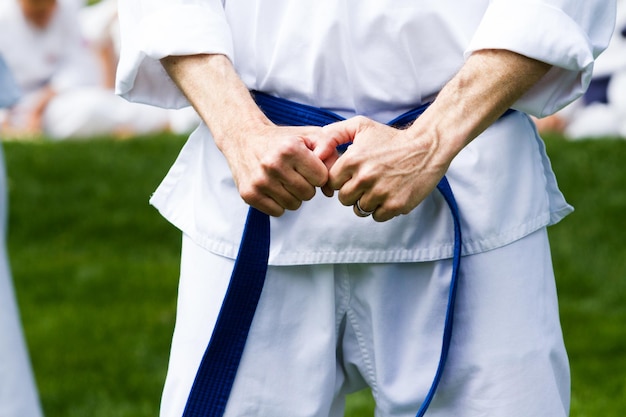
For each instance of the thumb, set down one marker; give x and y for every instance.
(335, 135)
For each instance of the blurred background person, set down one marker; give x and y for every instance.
(64, 93)
(100, 27)
(601, 111)
(18, 391)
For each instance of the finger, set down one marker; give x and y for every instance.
(382, 215)
(333, 135)
(313, 171)
(360, 210)
(269, 206)
(340, 133)
(390, 207)
(299, 177)
(300, 189)
(340, 173)
(327, 190)
(307, 164)
(286, 199)
(349, 193)
(271, 198)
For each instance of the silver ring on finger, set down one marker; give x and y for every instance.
(360, 211)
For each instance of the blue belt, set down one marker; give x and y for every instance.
(216, 374)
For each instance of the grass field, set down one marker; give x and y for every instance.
(95, 270)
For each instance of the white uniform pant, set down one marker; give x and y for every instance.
(94, 111)
(18, 392)
(322, 331)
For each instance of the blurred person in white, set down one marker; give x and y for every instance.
(63, 95)
(100, 27)
(601, 111)
(18, 391)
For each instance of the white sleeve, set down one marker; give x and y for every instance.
(569, 34)
(154, 29)
(9, 91)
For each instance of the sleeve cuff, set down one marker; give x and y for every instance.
(556, 38)
(174, 30)
(185, 30)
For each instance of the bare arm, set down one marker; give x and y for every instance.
(487, 85)
(391, 171)
(35, 118)
(273, 167)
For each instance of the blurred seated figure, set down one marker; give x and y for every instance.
(63, 92)
(601, 112)
(100, 27)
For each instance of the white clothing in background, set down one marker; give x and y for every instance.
(601, 120)
(100, 27)
(60, 56)
(18, 390)
(57, 56)
(86, 112)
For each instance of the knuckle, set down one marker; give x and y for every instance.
(248, 196)
(252, 191)
(395, 207)
(285, 150)
(294, 205)
(272, 166)
(360, 119)
(343, 199)
(276, 212)
(367, 175)
(308, 194)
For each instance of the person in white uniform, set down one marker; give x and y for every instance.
(18, 391)
(605, 114)
(63, 95)
(100, 27)
(601, 112)
(349, 300)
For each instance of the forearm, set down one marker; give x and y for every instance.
(487, 85)
(214, 89)
(383, 160)
(273, 167)
(34, 124)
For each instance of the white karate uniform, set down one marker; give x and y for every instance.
(60, 57)
(18, 391)
(379, 60)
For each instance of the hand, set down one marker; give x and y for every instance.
(275, 169)
(34, 122)
(387, 170)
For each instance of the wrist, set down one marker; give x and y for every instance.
(218, 95)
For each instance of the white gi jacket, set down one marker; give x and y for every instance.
(378, 59)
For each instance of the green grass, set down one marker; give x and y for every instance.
(96, 268)
(589, 252)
